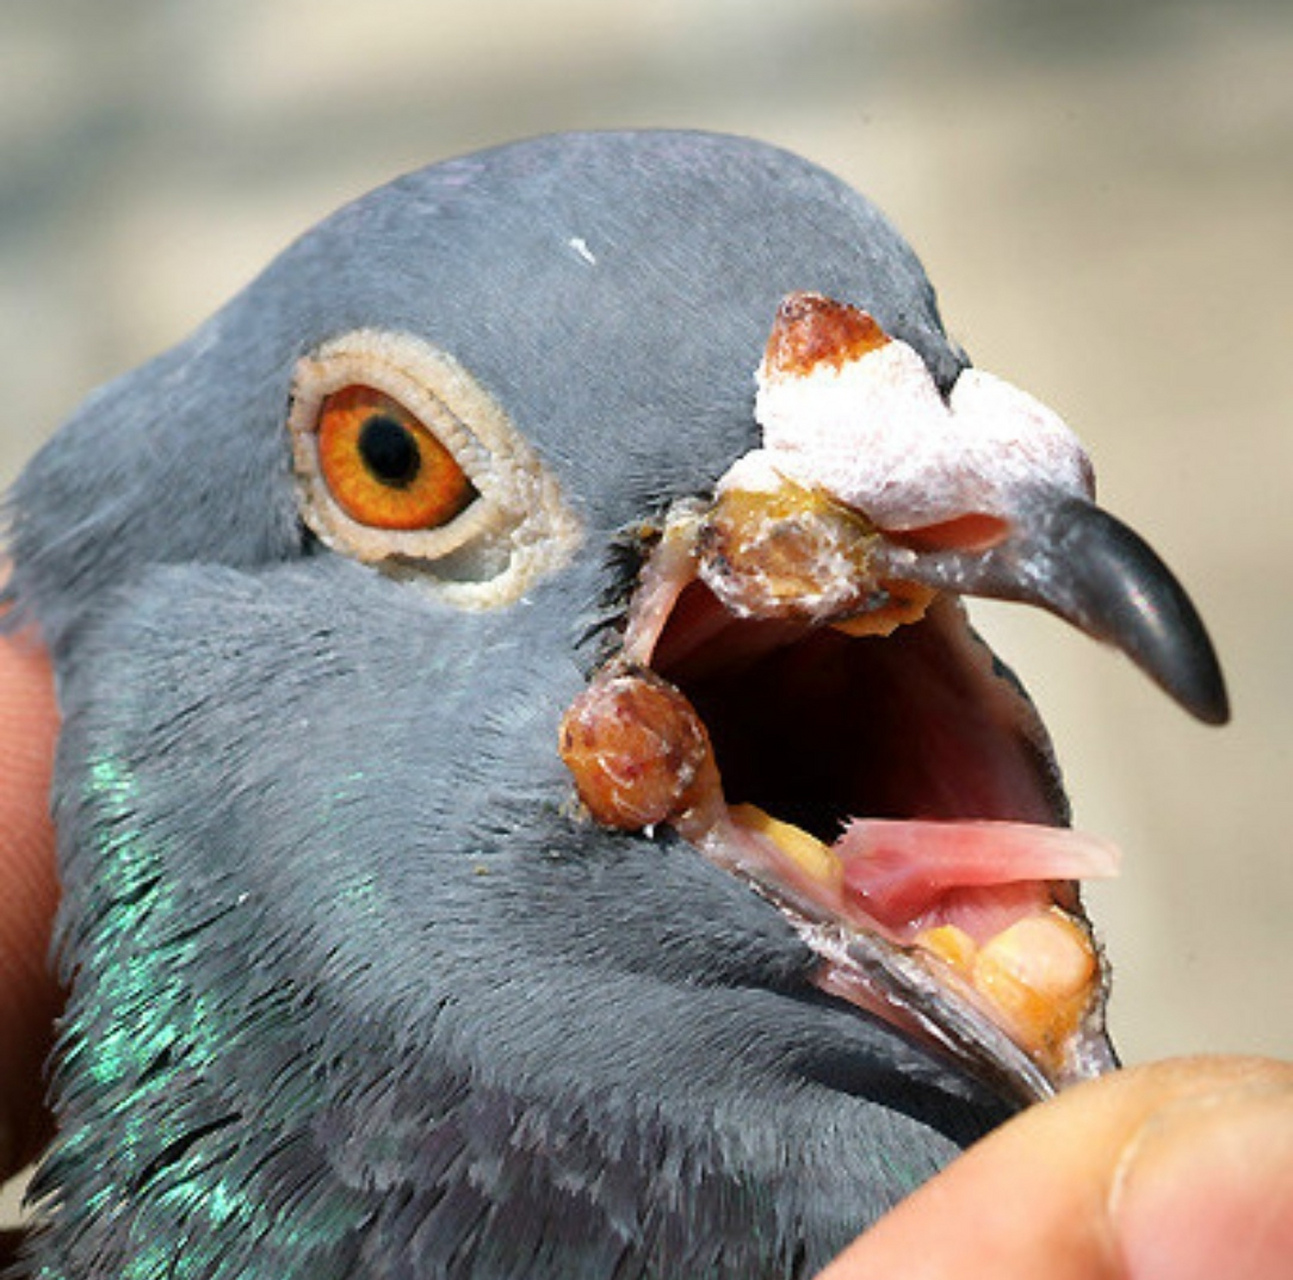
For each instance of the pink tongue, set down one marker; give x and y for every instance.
(902, 871)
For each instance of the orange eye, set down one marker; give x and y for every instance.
(383, 467)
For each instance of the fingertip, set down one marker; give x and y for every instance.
(1110, 1181)
(1205, 1186)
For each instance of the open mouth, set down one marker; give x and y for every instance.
(893, 795)
(799, 694)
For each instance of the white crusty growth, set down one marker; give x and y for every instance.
(847, 409)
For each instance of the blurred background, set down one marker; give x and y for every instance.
(1101, 190)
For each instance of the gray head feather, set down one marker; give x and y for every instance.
(353, 994)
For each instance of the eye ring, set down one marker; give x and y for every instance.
(488, 536)
(383, 467)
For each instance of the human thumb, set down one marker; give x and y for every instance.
(1180, 1169)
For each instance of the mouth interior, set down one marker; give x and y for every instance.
(892, 794)
(818, 727)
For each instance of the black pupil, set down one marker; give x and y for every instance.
(389, 451)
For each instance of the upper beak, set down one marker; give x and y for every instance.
(979, 491)
(1071, 557)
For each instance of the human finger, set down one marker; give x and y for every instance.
(1180, 1169)
(28, 894)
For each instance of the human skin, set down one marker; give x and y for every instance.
(1179, 1169)
(28, 894)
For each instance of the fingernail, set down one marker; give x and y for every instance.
(1205, 1189)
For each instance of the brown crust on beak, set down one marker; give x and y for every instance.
(811, 329)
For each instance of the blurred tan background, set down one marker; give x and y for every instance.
(1102, 192)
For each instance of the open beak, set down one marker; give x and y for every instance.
(799, 694)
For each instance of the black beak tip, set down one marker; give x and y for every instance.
(1121, 592)
(1073, 558)
(1201, 688)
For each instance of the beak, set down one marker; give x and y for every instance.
(799, 695)
(1071, 557)
(982, 491)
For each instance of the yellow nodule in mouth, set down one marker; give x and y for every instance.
(1038, 975)
(1035, 978)
(812, 858)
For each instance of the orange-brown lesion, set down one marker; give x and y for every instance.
(793, 552)
(637, 749)
(812, 330)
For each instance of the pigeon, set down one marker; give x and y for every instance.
(530, 800)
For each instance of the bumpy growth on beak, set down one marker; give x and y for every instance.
(798, 692)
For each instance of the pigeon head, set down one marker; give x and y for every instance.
(529, 800)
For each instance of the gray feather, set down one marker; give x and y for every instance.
(352, 992)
